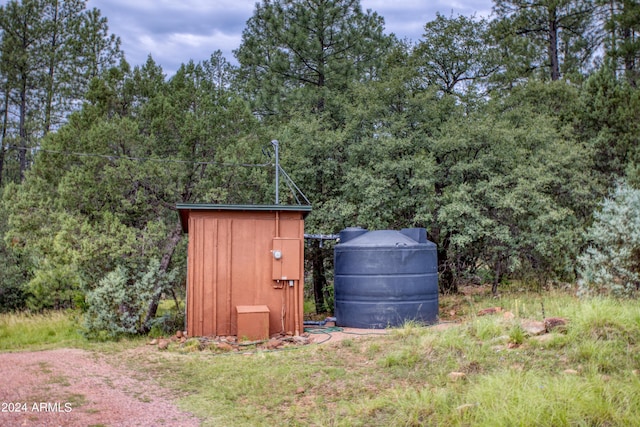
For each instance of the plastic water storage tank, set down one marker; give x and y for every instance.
(384, 278)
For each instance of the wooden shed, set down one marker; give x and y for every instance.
(245, 269)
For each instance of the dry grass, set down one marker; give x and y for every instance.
(585, 376)
(480, 371)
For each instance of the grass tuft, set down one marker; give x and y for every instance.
(20, 331)
(480, 370)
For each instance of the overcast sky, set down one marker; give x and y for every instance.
(175, 31)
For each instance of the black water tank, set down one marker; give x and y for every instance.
(384, 278)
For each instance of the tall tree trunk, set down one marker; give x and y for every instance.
(2, 153)
(554, 62)
(319, 278)
(51, 72)
(628, 38)
(170, 248)
(22, 149)
(499, 269)
(446, 277)
(5, 123)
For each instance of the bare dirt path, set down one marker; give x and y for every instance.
(71, 387)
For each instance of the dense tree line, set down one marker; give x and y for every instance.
(500, 136)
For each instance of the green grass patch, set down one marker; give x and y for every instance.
(485, 371)
(480, 371)
(55, 329)
(22, 331)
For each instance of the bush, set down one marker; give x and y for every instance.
(118, 305)
(53, 287)
(12, 293)
(611, 263)
(12, 296)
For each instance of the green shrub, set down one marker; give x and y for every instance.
(53, 287)
(611, 263)
(118, 305)
(12, 294)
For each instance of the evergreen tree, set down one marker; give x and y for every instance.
(623, 42)
(318, 45)
(548, 39)
(21, 64)
(607, 121)
(510, 198)
(455, 54)
(46, 55)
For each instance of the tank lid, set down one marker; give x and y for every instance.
(351, 233)
(381, 238)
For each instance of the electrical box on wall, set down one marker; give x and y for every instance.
(286, 258)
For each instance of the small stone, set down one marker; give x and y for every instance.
(153, 342)
(179, 334)
(444, 326)
(455, 376)
(300, 390)
(570, 372)
(490, 310)
(224, 346)
(301, 340)
(163, 344)
(533, 327)
(508, 315)
(552, 323)
(273, 344)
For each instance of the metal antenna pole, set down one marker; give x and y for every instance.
(275, 146)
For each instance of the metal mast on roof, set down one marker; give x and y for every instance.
(295, 191)
(275, 146)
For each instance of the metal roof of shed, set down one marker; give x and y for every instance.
(185, 208)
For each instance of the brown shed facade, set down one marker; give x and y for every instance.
(244, 261)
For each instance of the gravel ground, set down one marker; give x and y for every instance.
(70, 387)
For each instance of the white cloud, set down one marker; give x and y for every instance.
(176, 31)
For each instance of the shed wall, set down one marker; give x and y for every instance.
(231, 264)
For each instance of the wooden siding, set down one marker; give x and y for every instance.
(231, 263)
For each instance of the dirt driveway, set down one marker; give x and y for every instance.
(70, 387)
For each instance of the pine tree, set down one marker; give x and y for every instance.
(623, 42)
(49, 50)
(547, 38)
